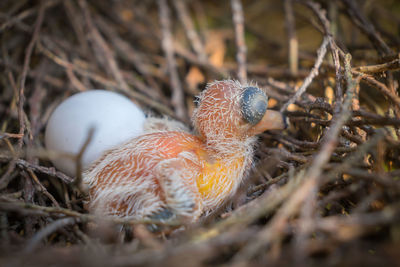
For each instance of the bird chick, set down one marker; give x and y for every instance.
(171, 174)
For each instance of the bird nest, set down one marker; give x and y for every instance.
(324, 191)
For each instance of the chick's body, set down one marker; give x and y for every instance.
(176, 174)
(132, 180)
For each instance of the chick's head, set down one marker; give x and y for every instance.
(229, 112)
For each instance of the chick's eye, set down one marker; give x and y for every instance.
(253, 103)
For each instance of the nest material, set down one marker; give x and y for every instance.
(326, 191)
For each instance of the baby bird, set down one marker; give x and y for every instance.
(172, 174)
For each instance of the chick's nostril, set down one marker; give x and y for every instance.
(254, 103)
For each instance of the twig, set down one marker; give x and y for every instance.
(382, 87)
(191, 33)
(392, 65)
(78, 182)
(25, 70)
(359, 222)
(6, 178)
(167, 45)
(76, 22)
(130, 54)
(366, 27)
(238, 20)
(250, 212)
(354, 158)
(42, 188)
(10, 135)
(53, 81)
(106, 82)
(291, 31)
(314, 72)
(34, 209)
(44, 232)
(193, 59)
(103, 47)
(314, 174)
(49, 171)
(272, 181)
(321, 14)
(26, 14)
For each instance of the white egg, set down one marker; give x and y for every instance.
(114, 117)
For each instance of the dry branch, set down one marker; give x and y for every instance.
(238, 20)
(167, 45)
(314, 72)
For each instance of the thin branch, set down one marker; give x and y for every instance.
(291, 32)
(313, 73)
(372, 69)
(33, 209)
(105, 82)
(78, 182)
(321, 14)
(41, 169)
(177, 100)
(191, 33)
(380, 86)
(25, 70)
(368, 28)
(238, 20)
(10, 135)
(46, 231)
(104, 48)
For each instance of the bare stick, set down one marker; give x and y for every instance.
(291, 31)
(104, 81)
(104, 47)
(28, 209)
(321, 14)
(78, 179)
(371, 69)
(41, 169)
(44, 232)
(42, 188)
(314, 72)
(10, 135)
(255, 209)
(25, 69)
(26, 14)
(238, 20)
(380, 86)
(177, 100)
(22, 118)
(367, 27)
(191, 33)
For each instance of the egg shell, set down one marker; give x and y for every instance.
(114, 117)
